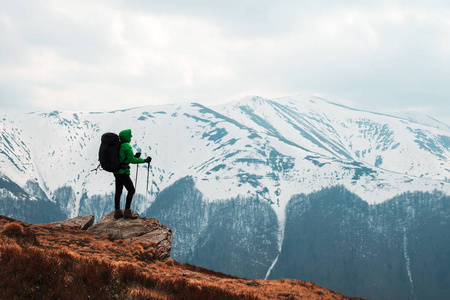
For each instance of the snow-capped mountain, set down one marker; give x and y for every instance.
(253, 182)
(272, 148)
(421, 118)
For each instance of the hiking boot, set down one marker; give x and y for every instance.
(128, 215)
(118, 214)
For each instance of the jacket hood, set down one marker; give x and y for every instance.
(125, 135)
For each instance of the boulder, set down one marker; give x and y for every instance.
(81, 222)
(145, 230)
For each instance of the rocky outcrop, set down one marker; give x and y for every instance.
(81, 222)
(147, 230)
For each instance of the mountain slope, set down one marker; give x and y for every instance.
(225, 179)
(274, 149)
(54, 261)
(397, 249)
(393, 250)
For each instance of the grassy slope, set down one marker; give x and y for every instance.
(51, 262)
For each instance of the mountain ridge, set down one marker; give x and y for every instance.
(322, 147)
(274, 148)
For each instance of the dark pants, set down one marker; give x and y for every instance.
(121, 181)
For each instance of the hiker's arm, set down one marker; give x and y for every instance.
(130, 159)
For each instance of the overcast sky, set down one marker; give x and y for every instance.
(99, 55)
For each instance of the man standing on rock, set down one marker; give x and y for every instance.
(127, 157)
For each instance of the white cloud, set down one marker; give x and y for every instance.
(95, 55)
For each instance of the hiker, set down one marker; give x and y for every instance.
(122, 176)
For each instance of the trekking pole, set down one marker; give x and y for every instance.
(135, 187)
(146, 190)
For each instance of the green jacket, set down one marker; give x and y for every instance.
(126, 154)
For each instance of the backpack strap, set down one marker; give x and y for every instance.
(96, 169)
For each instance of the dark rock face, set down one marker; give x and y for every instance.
(81, 222)
(236, 236)
(16, 203)
(147, 230)
(394, 250)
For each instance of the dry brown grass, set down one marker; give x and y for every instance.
(20, 233)
(60, 262)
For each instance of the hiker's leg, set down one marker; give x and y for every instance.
(128, 183)
(119, 189)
